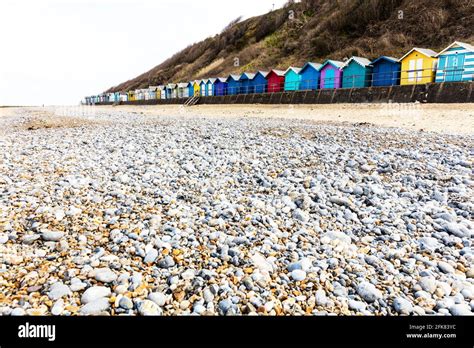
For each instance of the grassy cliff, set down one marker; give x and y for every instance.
(313, 30)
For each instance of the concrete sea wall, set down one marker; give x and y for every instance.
(450, 92)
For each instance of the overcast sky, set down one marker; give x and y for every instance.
(54, 52)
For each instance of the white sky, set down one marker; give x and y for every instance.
(56, 52)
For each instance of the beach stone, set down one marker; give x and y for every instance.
(298, 275)
(460, 310)
(95, 307)
(368, 292)
(151, 256)
(52, 236)
(95, 293)
(445, 267)
(149, 308)
(357, 305)
(428, 284)
(126, 303)
(167, 262)
(402, 306)
(18, 312)
(301, 215)
(3, 238)
(58, 307)
(58, 290)
(104, 275)
(158, 297)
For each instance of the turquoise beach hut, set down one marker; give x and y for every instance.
(292, 79)
(357, 73)
(456, 63)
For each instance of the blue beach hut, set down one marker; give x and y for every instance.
(310, 76)
(233, 84)
(357, 73)
(220, 86)
(386, 71)
(210, 86)
(246, 86)
(191, 88)
(456, 63)
(203, 87)
(260, 83)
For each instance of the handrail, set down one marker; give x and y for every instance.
(378, 79)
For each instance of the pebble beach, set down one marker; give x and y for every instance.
(130, 213)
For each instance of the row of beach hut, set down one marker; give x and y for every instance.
(418, 66)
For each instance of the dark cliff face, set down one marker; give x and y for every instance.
(314, 30)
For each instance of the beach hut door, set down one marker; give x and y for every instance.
(329, 78)
(455, 67)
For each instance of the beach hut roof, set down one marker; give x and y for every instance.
(295, 70)
(263, 73)
(335, 63)
(364, 62)
(203, 81)
(212, 80)
(390, 59)
(161, 87)
(464, 45)
(183, 84)
(250, 76)
(278, 72)
(316, 66)
(425, 51)
(171, 85)
(222, 79)
(235, 77)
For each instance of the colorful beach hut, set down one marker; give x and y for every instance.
(356, 73)
(131, 95)
(161, 92)
(246, 86)
(456, 63)
(233, 84)
(331, 74)
(203, 87)
(210, 86)
(191, 88)
(259, 82)
(276, 81)
(310, 76)
(292, 79)
(386, 71)
(171, 91)
(220, 86)
(151, 93)
(197, 87)
(418, 66)
(183, 90)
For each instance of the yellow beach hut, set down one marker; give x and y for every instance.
(197, 87)
(418, 66)
(131, 95)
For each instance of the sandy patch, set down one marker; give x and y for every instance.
(442, 118)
